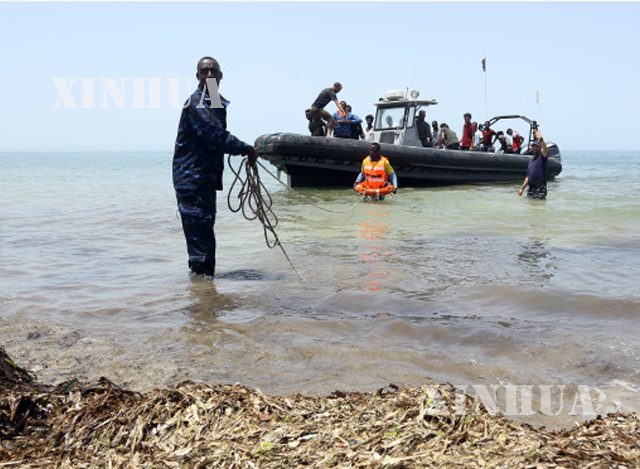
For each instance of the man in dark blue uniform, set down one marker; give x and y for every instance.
(536, 170)
(198, 163)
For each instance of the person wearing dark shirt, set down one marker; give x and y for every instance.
(536, 178)
(198, 164)
(357, 132)
(489, 137)
(468, 133)
(316, 125)
(318, 107)
(424, 130)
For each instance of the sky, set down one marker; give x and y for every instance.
(572, 66)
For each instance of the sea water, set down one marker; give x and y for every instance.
(470, 285)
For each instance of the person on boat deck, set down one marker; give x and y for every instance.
(436, 134)
(468, 133)
(198, 164)
(318, 107)
(345, 122)
(506, 142)
(316, 125)
(489, 137)
(376, 171)
(424, 129)
(477, 141)
(536, 177)
(356, 127)
(517, 140)
(448, 138)
(368, 131)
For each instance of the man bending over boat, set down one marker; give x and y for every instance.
(325, 97)
(537, 170)
(377, 177)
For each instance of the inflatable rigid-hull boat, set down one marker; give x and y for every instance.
(319, 161)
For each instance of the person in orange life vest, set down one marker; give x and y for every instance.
(376, 171)
(517, 140)
(468, 133)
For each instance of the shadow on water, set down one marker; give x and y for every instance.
(537, 260)
(250, 274)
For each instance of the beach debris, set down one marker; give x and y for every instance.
(197, 425)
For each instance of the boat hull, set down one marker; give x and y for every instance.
(319, 161)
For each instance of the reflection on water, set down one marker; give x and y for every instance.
(204, 299)
(377, 253)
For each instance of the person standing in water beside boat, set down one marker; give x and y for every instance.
(318, 107)
(536, 177)
(376, 171)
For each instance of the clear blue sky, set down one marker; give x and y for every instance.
(582, 58)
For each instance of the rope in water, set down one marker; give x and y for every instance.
(253, 197)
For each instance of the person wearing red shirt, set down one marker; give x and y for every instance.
(517, 140)
(468, 133)
(489, 137)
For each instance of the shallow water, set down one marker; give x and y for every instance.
(465, 284)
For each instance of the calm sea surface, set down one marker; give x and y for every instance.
(464, 284)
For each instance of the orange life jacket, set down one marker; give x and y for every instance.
(375, 175)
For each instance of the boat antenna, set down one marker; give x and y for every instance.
(413, 80)
(538, 104)
(486, 99)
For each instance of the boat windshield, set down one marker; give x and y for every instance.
(390, 118)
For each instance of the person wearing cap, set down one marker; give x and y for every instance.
(537, 169)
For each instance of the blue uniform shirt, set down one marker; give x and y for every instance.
(198, 160)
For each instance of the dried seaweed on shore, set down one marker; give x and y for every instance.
(194, 425)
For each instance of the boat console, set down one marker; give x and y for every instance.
(395, 119)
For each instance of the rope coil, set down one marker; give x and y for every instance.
(255, 202)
